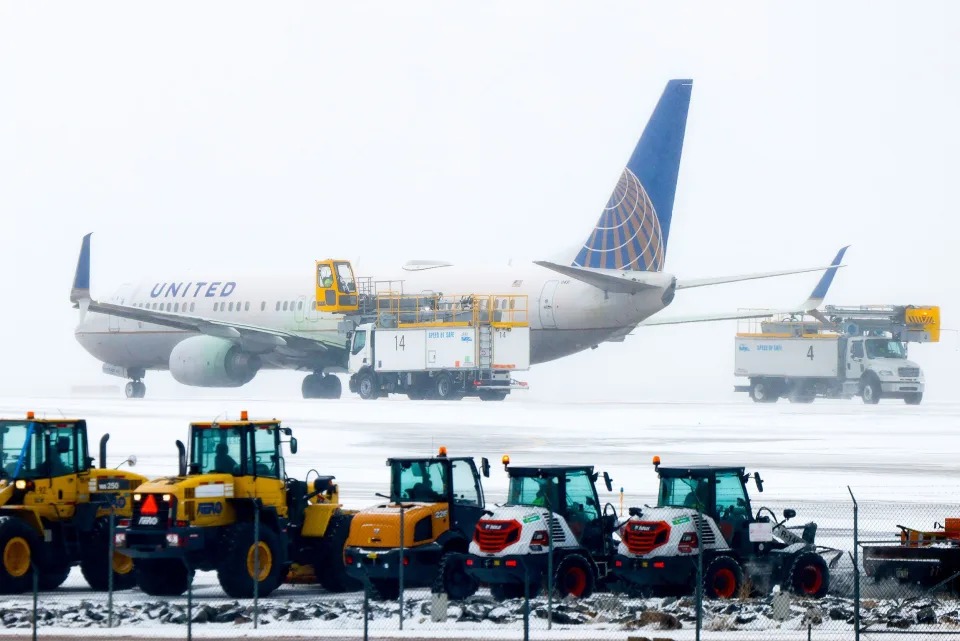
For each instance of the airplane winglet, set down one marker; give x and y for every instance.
(823, 285)
(81, 279)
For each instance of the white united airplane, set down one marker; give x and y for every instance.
(220, 332)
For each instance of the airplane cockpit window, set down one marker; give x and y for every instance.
(324, 276)
(345, 278)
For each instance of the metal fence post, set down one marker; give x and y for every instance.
(256, 564)
(856, 567)
(36, 589)
(189, 603)
(366, 610)
(699, 592)
(526, 603)
(549, 566)
(110, 553)
(400, 579)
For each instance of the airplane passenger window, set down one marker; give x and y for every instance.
(215, 306)
(263, 305)
(278, 306)
(191, 306)
(230, 306)
(176, 307)
(169, 306)
(246, 306)
(284, 305)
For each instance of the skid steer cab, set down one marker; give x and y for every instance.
(552, 522)
(233, 509)
(423, 531)
(336, 287)
(56, 507)
(707, 510)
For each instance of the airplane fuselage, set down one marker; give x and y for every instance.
(565, 315)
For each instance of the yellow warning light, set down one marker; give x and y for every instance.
(656, 461)
(505, 460)
(442, 451)
(30, 416)
(243, 415)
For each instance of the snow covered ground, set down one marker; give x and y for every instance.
(900, 461)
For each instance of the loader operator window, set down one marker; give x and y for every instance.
(218, 450)
(421, 481)
(14, 447)
(345, 279)
(531, 490)
(681, 492)
(885, 348)
(265, 450)
(63, 447)
(581, 502)
(731, 497)
(465, 489)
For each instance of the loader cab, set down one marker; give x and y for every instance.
(569, 492)
(718, 492)
(336, 287)
(441, 479)
(239, 448)
(32, 449)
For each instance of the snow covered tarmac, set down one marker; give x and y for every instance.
(899, 460)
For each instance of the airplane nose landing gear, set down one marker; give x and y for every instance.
(135, 389)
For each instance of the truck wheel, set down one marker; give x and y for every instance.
(491, 395)
(162, 577)
(762, 392)
(53, 578)
(870, 391)
(329, 568)
(723, 578)
(443, 388)
(367, 386)
(913, 399)
(810, 576)
(18, 541)
(93, 563)
(574, 577)
(452, 578)
(236, 567)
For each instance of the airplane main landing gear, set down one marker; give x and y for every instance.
(321, 386)
(135, 389)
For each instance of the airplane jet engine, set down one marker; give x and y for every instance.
(207, 361)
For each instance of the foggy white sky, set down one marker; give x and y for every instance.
(243, 138)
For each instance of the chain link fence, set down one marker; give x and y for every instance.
(893, 572)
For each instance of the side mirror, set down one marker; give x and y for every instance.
(759, 481)
(485, 466)
(789, 513)
(608, 482)
(635, 511)
(293, 445)
(132, 460)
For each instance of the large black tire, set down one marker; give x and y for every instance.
(329, 567)
(574, 577)
(723, 578)
(810, 575)
(870, 391)
(162, 577)
(913, 399)
(444, 388)
(19, 544)
(94, 563)
(384, 589)
(235, 567)
(762, 391)
(332, 386)
(52, 578)
(367, 386)
(452, 578)
(492, 395)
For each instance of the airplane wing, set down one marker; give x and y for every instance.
(251, 336)
(809, 306)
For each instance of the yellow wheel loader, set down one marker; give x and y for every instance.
(55, 507)
(233, 510)
(438, 500)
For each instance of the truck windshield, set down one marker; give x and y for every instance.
(680, 492)
(422, 481)
(885, 348)
(217, 450)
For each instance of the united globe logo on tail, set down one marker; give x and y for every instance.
(634, 228)
(628, 234)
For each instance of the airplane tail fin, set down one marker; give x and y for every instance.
(80, 292)
(634, 227)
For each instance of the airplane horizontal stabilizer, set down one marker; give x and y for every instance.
(610, 280)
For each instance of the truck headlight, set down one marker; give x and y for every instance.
(120, 539)
(173, 540)
(885, 372)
